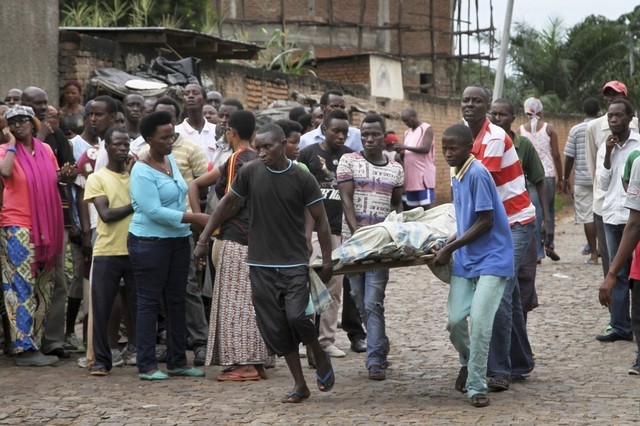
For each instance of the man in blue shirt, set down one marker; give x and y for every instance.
(482, 252)
(330, 101)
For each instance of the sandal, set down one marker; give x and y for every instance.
(461, 381)
(325, 384)
(237, 376)
(377, 372)
(498, 383)
(479, 400)
(295, 397)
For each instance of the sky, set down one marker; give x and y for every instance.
(537, 13)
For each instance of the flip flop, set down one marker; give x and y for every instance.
(235, 376)
(294, 397)
(325, 384)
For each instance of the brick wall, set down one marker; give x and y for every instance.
(352, 70)
(79, 55)
(337, 33)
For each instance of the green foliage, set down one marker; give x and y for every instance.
(565, 66)
(140, 11)
(283, 55)
(188, 14)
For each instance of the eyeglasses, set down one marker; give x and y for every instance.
(17, 120)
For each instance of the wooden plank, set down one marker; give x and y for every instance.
(372, 265)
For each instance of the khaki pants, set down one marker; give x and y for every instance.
(329, 318)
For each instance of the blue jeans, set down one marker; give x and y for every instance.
(160, 269)
(510, 352)
(620, 319)
(550, 186)
(477, 299)
(367, 290)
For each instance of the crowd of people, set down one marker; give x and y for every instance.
(191, 228)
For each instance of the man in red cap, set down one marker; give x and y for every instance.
(597, 132)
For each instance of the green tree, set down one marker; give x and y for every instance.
(563, 67)
(540, 59)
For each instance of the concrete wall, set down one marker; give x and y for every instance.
(29, 45)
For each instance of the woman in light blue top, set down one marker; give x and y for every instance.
(159, 248)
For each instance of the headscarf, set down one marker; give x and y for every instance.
(46, 206)
(533, 108)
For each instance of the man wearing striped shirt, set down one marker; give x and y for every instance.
(575, 153)
(510, 352)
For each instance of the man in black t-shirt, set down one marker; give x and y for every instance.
(322, 160)
(279, 193)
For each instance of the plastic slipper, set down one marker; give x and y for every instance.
(479, 401)
(325, 384)
(294, 398)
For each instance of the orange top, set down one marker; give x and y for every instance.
(16, 207)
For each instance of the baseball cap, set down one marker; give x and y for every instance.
(390, 139)
(17, 110)
(617, 86)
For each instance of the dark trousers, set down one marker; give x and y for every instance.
(351, 322)
(160, 269)
(107, 271)
(635, 310)
(602, 243)
(280, 297)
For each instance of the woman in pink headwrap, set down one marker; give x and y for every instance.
(545, 140)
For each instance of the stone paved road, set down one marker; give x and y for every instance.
(577, 379)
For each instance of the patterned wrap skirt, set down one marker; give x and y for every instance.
(26, 289)
(234, 338)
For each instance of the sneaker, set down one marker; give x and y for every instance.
(116, 358)
(612, 336)
(82, 362)
(130, 357)
(73, 344)
(161, 355)
(34, 359)
(635, 368)
(333, 351)
(199, 356)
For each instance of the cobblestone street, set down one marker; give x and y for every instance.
(577, 380)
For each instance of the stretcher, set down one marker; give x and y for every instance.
(372, 265)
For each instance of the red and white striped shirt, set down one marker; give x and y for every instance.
(494, 148)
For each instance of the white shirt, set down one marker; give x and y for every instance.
(595, 135)
(137, 144)
(206, 138)
(610, 180)
(353, 138)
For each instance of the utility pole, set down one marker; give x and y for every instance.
(498, 85)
